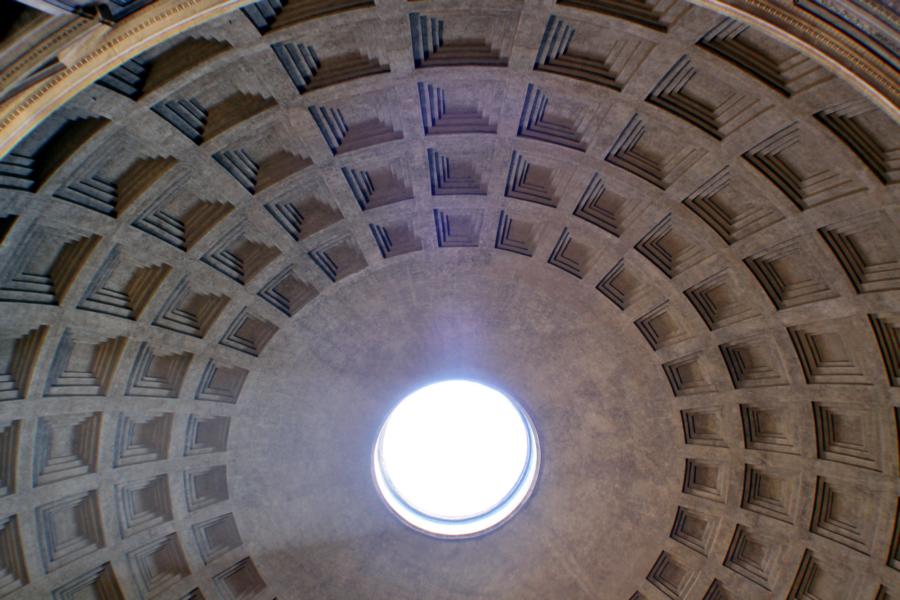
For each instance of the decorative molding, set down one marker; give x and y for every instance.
(800, 29)
(99, 52)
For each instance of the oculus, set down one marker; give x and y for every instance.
(456, 459)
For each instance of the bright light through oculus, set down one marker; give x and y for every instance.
(456, 458)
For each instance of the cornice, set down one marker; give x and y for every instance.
(47, 39)
(808, 32)
(99, 52)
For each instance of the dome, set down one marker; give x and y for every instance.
(233, 236)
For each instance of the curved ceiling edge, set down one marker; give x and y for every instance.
(842, 53)
(99, 52)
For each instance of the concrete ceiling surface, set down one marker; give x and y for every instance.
(673, 239)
